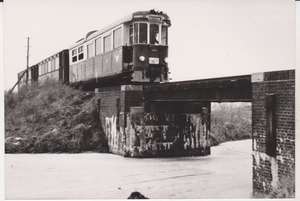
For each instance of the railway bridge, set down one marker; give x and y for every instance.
(228, 89)
(173, 119)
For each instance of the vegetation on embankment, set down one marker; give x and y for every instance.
(51, 118)
(230, 121)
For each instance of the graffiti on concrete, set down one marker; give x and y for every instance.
(113, 134)
(158, 134)
(161, 134)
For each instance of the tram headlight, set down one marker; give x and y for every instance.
(166, 60)
(142, 58)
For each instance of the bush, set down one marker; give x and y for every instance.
(43, 118)
(230, 121)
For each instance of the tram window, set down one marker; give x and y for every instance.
(154, 33)
(131, 35)
(117, 38)
(107, 43)
(74, 55)
(90, 50)
(49, 66)
(143, 33)
(136, 32)
(52, 65)
(80, 49)
(80, 52)
(56, 63)
(46, 67)
(164, 35)
(40, 69)
(74, 52)
(98, 46)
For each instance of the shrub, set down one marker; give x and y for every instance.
(41, 118)
(230, 121)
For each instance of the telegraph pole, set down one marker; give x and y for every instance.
(27, 76)
(25, 72)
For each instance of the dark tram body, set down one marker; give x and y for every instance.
(54, 67)
(131, 50)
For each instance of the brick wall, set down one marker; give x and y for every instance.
(273, 126)
(114, 107)
(109, 108)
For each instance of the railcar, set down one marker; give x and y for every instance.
(133, 49)
(54, 67)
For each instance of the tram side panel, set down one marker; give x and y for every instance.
(107, 67)
(81, 71)
(117, 60)
(90, 68)
(103, 65)
(98, 66)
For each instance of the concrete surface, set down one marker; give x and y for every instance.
(226, 173)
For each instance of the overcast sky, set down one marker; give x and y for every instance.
(207, 39)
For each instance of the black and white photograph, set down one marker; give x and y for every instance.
(150, 99)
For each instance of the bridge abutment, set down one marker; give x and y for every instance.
(136, 127)
(273, 128)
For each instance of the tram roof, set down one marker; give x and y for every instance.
(128, 18)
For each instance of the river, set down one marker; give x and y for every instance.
(226, 174)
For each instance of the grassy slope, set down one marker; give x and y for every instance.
(52, 117)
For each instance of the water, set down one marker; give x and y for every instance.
(226, 173)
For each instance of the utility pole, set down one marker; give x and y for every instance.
(27, 76)
(25, 72)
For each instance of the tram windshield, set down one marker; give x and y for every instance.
(139, 33)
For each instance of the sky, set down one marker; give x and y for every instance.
(207, 39)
